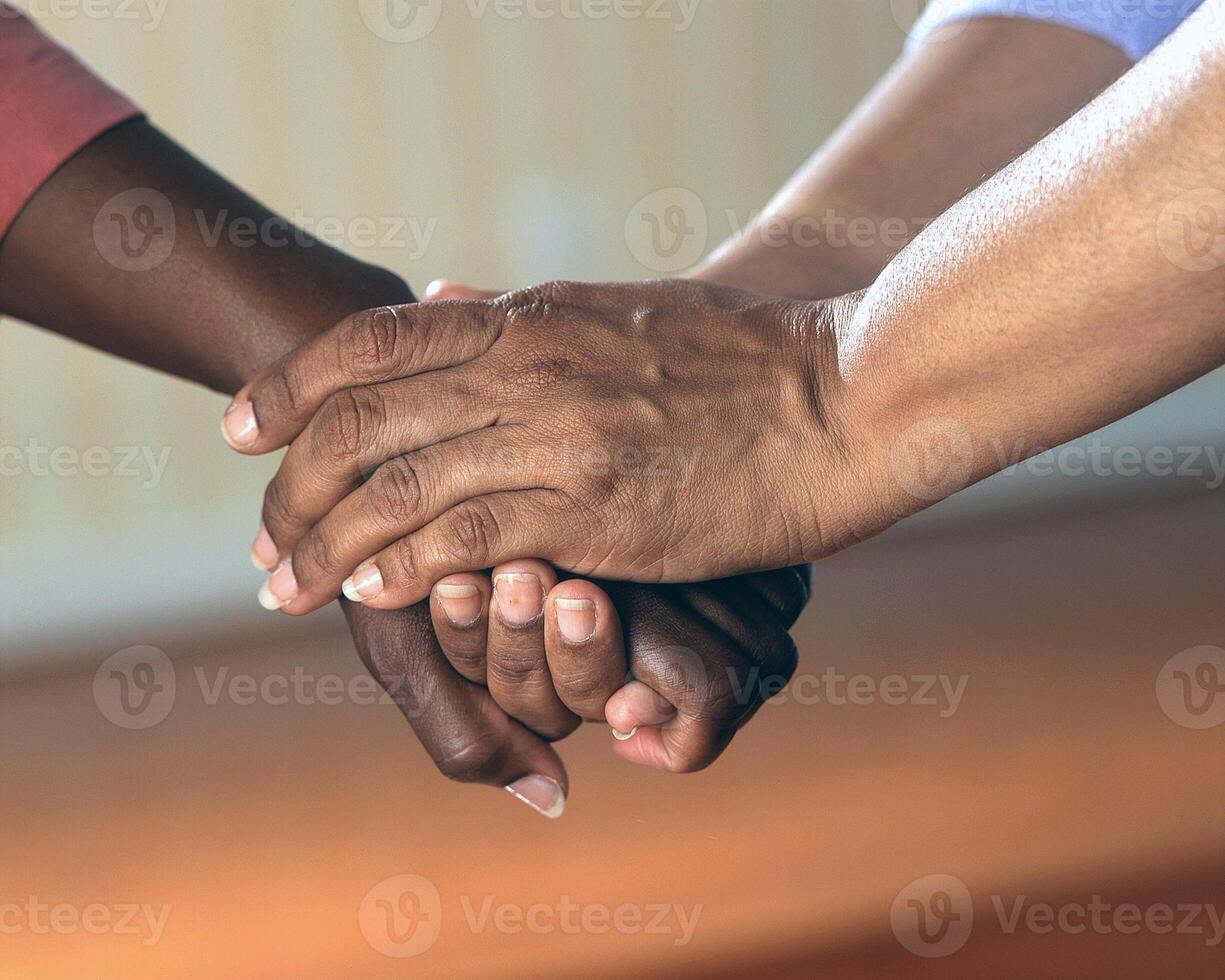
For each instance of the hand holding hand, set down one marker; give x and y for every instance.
(658, 432)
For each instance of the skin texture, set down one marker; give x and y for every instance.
(454, 400)
(943, 120)
(574, 375)
(220, 315)
(1082, 283)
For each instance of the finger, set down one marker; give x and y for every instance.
(518, 668)
(367, 348)
(714, 691)
(459, 607)
(442, 289)
(402, 496)
(479, 533)
(585, 648)
(358, 430)
(467, 735)
(636, 707)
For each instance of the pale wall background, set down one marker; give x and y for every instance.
(515, 147)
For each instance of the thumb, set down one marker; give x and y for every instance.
(441, 289)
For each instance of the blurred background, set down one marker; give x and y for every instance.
(503, 150)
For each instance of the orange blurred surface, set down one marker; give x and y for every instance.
(261, 828)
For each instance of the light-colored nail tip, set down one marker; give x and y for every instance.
(249, 435)
(574, 605)
(553, 810)
(625, 736)
(456, 591)
(524, 577)
(268, 600)
(350, 591)
(255, 560)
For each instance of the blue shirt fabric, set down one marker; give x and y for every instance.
(1136, 26)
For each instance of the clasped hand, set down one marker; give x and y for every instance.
(660, 432)
(669, 431)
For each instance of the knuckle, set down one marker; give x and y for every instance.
(785, 657)
(314, 558)
(717, 700)
(285, 388)
(586, 688)
(785, 592)
(402, 558)
(396, 491)
(477, 759)
(516, 670)
(469, 663)
(374, 341)
(279, 512)
(346, 421)
(540, 301)
(472, 535)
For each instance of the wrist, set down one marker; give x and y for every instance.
(282, 319)
(847, 479)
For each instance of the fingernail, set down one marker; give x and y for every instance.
(461, 603)
(434, 288)
(280, 588)
(519, 597)
(365, 583)
(263, 551)
(624, 736)
(542, 794)
(239, 427)
(575, 619)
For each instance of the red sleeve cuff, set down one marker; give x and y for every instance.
(52, 106)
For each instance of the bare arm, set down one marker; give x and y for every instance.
(947, 117)
(1078, 285)
(217, 314)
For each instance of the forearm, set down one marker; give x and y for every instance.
(946, 118)
(212, 311)
(1065, 293)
